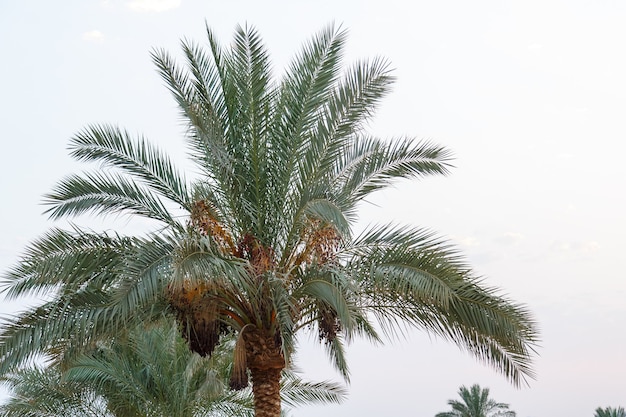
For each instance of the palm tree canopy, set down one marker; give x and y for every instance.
(476, 403)
(38, 392)
(610, 412)
(260, 243)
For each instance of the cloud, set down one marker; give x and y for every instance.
(509, 238)
(576, 248)
(590, 247)
(153, 5)
(467, 241)
(93, 36)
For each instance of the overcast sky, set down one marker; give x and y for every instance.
(530, 96)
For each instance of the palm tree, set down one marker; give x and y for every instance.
(260, 243)
(39, 392)
(610, 412)
(476, 403)
(140, 375)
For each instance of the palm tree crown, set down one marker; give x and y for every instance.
(264, 246)
(610, 412)
(476, 403)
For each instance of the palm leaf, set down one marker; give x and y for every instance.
(105, 193)
(370, 164)
(116, 149)
(62, 260)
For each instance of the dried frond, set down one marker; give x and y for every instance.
(239, 374)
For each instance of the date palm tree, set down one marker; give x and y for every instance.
(476, 403)
(39, 392)
(610, 412)
(258, 241)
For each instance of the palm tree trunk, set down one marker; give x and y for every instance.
(265, 360)
(266, 391)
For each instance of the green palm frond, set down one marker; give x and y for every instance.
(286, 309)
(441, 295)
(303, 92)
(323, 292)
(305, 86)
(105, 193)
(248, 78)
(143, 276)
(370, 164)
(296, 392)
(389, 260)
(57, 327)
(198, 92)
(610, 412)
(115, 148)
(327, 211)
(494, 329)
(337, 354)
(352, 103)
(65, 261)
(147, 371)
(39, 392)
(355, 98)
(195, 258)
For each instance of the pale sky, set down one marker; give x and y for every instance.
(530, 96)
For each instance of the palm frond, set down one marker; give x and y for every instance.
(410, 277)
(392, 260)
(198, 92)
(65, 261)
(197, 260)
(286, 309)
(325, 292)
(115, 148)
(497, 331)
(304, 90)
(337, 354)
(308, 82)
(351, 104)
(39, 392)
(143, 276)
(327, 211)
(296, 392)
(56, 327)
(105, 193)
(370, 164)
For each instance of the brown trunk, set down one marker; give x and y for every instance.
(266, 391)
(266, 362)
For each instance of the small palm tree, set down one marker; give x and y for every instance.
(40, 392)
(260, 245)
(610, 412)
(476, 403)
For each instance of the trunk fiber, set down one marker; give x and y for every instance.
(266, 391)
(265, 362)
